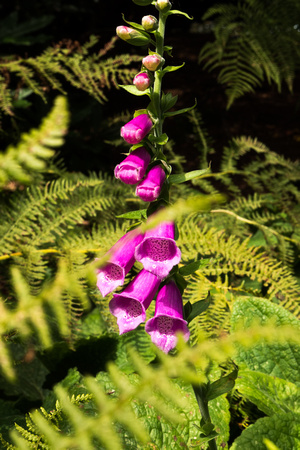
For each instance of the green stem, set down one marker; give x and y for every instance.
(199, 391)
(156, 97)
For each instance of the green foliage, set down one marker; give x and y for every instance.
(23, 163)
(254, 40)
(92, 73)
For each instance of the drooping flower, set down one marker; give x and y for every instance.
(158, 251)
(149, 188)
(150, 23)
(129, 307)
(152, 62)
(142, 81)
(168, 318)
(121, 259)
(135, 130)
(133, 168)
(132, 36)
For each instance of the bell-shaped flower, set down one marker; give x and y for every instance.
(129, 307)
(168, 318)
(135, 130)
(142, 81)
(133, 168)
(149, 188)
(120, 261)
(158, 251)
(132, 36)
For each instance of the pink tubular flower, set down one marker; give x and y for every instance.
(168, 318)
(129, 307)
(132, 169)
(152, 62)
(149, 188)
(142, 81)
(135, 130)
(113, 273)
(158, 251)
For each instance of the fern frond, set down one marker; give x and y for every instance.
(91, 73)
(253, 40)
(22, 162)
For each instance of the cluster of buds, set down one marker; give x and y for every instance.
(155, 249)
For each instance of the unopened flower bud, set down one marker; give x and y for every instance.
(152, 62)
(132, 36)
(149, 23)
(142, 2)
(142, 81)
(163, 5)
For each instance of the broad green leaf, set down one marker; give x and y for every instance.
(270, 394)
(161, 140)
(132, 89)
(168, 101)
(138, 214)
(182, 177)
(176, 11)
(278, 359)
(180, 111)
(221, 386)
(171, 69)
(192, 310)
(282, 429)
(192, 267)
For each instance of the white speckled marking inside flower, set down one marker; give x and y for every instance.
(164, 324)
(158, 249)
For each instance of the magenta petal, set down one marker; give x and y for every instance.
(130, 305)
(121, 259)
(133, 168)
(135, 130)
(149, 188)
(158, 251)
(168, 319)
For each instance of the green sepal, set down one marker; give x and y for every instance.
(193, 310)
(138, 112)
(168, 49)
(168, 101)
(221, 386)
(171, 69)
(180, 111)
(180, 282)
(135, 25)
(176, 11)
(192, 267)
(138, 214)
(182, 177)
(134, 90)
(160, 140)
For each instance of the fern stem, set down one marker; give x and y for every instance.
(50, 250)
(253, 222)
